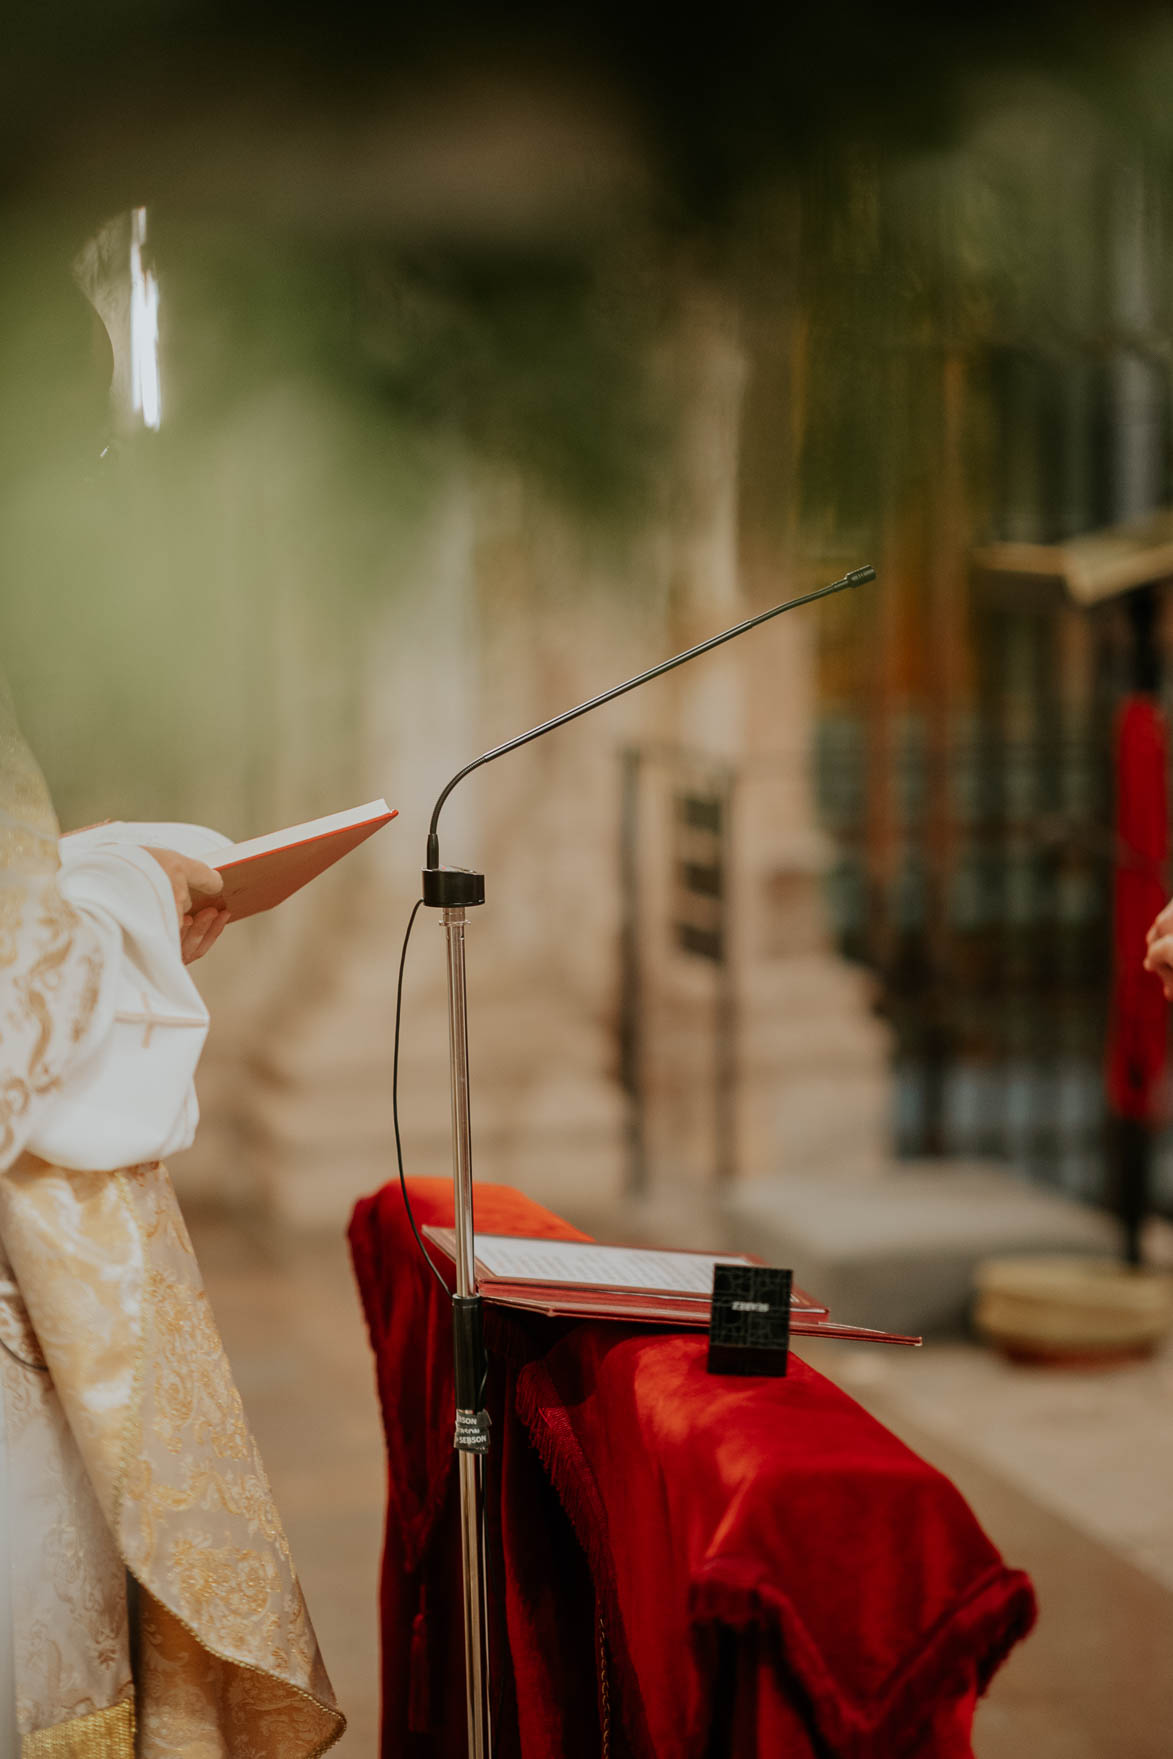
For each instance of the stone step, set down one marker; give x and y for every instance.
(898, 1251)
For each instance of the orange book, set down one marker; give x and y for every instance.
(266, 870)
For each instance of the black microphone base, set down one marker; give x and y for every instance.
(452, 888)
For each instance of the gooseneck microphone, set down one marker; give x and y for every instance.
(857, 577)
(452, 891)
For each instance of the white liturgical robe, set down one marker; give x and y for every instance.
(124, 1449)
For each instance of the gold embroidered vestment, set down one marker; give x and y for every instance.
(156, 1609)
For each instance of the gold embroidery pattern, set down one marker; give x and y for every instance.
(48, 1005)
(114, 1293)
(104, 1734)
(178, 1677)
(48, 966)
(11, 917)
(137, 1455)
(16, 1333)
(71, 1649)
(231, 1577)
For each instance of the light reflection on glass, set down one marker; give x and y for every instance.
(144, 326)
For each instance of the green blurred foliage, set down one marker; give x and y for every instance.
(904, 184)
(529, 359)
(161, 589)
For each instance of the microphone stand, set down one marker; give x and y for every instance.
(454, 891)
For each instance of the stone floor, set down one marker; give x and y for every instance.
(294, 1332)
(1072, 1476)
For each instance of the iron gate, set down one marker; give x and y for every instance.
(974, 875)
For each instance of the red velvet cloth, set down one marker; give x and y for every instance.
(1136, 1034)
(770, 1570)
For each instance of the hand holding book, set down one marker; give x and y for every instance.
(266, 870)
(196, 888)
(215, 881)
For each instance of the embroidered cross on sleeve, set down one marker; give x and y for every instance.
(148, 1018)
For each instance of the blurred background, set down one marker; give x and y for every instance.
(375, 388)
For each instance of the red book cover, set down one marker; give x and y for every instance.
(662, 1310)
(267, 870)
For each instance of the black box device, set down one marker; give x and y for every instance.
(749, 1331)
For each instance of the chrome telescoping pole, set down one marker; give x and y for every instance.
(472, 1438)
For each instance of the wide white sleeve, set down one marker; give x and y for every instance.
(197, 841)
(130, 1095)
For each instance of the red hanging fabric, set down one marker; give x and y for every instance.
(754, 1567)
(1136, 1030)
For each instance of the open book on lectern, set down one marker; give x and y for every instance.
(661, 1286)
(650, 1286)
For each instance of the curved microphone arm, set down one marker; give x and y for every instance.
(857, 577)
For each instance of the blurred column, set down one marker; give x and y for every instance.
(692, 1031)
(320, 1112)
(809, 1062)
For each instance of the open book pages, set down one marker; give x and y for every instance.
(366, 818)
(265, 870)
(634, 1279)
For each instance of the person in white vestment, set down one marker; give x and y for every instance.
(125, 1457)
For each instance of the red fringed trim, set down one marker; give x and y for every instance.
(959, 1655)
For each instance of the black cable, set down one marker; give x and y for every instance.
(395, 1100)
